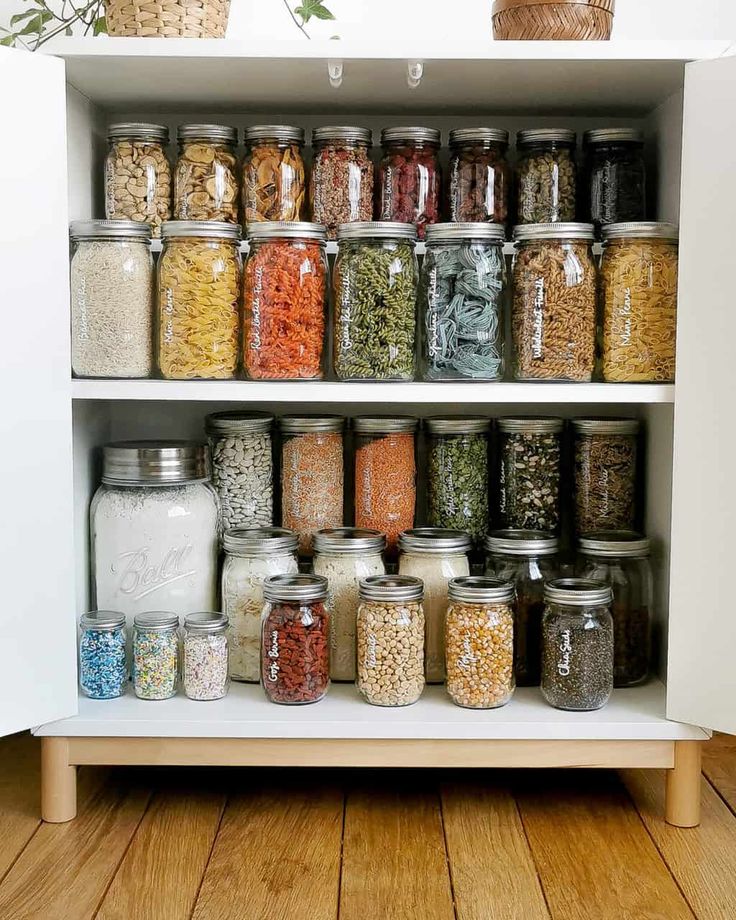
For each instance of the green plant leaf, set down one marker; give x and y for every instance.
(9, 40)
(309, 8)
(19, 17)
(100, 26)
(35, 26)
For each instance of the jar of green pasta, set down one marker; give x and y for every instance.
(375, 290)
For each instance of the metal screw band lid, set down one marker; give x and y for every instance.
(525, 233)
(259, 541)
(385, 424)
(206, 622)
(605, 425)
(391, 588)
(138, 131)
(577, 592)
(641, 230)
(614, 543)
(529, 425)
(434, 541)
(421, 135)
(613, 136)
(156, 620)
(219, 133)
(290, 134)
(286, 230)
(376, 230)
(102, 620)
(466, 230)
(205, 229)
(459, 136)
(155, 462)
(480, 589)
(237, 423)
(349, 540)
(295, 588)
(522, 543)
(308, 424)
(533, 136)
(450, 425)
(328, 133)
(110, 229)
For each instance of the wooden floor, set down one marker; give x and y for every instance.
(365, 845)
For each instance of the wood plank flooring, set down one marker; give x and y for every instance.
(365, 845)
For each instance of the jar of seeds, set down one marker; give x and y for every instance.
(577, 644)
(155, 655)
(529, 477)
(545, 176)
(205, 673)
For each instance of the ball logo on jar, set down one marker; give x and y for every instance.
(563, 665)
(140, 576)
(273, 653)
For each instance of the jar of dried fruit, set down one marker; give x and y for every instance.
(206, 176)
(479, 184)
(546, 176)
(138, 174)
(274, 180)
(529, 474)
(615, 175)
(341, 184)
(409, 176)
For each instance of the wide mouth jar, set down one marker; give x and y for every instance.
(154, 462)
(476, 137)
(200, 229)
(259, 541)
(448, 425)
(641, 230)
(238, 423)
(156, 621)
(513, 542)
(434, 541)
(562, 232)
(413, 136)
(138, 131)
(465, 232)
(286, 230)
(312, 424)
(546, 137)
(614, 544)
(577, 592)
(530, 425)
(391, 588)
(295, 588)
(277, 134)
(210, 134)
(116, 230)
(606, 426)
(480, 589)
(613, 137)
(342, 136)
(102, 620)
(378, 230)
(205, 623)
(384, 424)
(354, 541)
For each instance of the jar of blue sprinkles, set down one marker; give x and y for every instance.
(103, 671)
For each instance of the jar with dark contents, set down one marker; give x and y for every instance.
(606, 487)
(409, 177)
(479, 181)
(615, 175)
(529, 476)
(341, 183)
(577, 644)
(546, 176)
(295, 647)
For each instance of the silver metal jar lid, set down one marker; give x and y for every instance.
(219, 133)
(259, 541)
(348, 133)
(385, 424)
(613, 136)
(138, 131)
(465, 230)
(577, 592)
(376, 230)
(102, 620)
(434, 541)
(480, 589)
(478, 136)
(310, 424)
(391, 588)
(286, 230)
(614, 543)
(349, 540)
(205, 229)
(450, 425)
(295, 588)
(411, 133)
(288, 133)
(154, 462)
(236, 423)
(563, 231)
(641, 230)
(546, 136)
(605, 425)
(155, 620)
(529, 425)
(110, 229)
(206, 622)
(522, 542)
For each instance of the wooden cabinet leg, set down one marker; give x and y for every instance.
(58, 782)
(682, 791)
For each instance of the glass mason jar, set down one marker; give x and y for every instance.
(375, 292)
(285, 294)
(616, 175)
(138, 174)
(312, 475)
(199, 300)
(103, 671)
(480, 642)
(577, 644)
(385, 475)
(479, 184)
(252, 554)
(606, 486)
(434, 556)
(341, 184)
(295, 648)
(154, 525)
(621, 559)
(409, 180)
(155, 655)
(462, 295)
(457, 474)
(530, 472)
(112, 302)
(528, 558)
(205, 668)
(553, 313)
(274, 180)
(242, 466)
(206, 174)
(546, 177)
(390, 640)
(639, 302)
(344, 556)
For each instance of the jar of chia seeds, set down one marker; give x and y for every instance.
(616, 175)
(103, 671)
(155, 655)
(546, 177)
(529, 476)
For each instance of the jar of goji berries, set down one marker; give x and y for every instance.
(274, 179)
(409, 176)
(479, 177)
(546, 176)
(341, 184)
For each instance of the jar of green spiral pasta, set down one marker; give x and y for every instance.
(462, 292)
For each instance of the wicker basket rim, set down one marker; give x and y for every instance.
(501, 6)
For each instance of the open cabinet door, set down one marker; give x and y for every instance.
(701, 681)
(37, 629)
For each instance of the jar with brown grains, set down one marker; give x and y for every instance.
(206, 180)
(341, 184)
(546, 176)
(274, 180)
(479, 183)
(138, 174)
(606, 488)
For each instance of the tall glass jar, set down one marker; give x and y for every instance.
(479, 185)
(295, 652)
(111, 298)
(206, 175)
(341, 184)
(434, 556)
(621, 559)
(205, 669)
(546, 177)
(390, 640)
(138, 174)
(553, 316)
(312, 475)
(242, 466)
(530, 472)
(462, 297)
(375, 292)
(344, 556)
(103, 671)
(199, 300)
(155, 655)
(616, 175)
(274, 179)
(577, 644)
(528, 559)
(409, 177)
(285, 301)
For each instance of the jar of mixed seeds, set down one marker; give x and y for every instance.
(409, 182)
(341, 183)
(205, 669)
(206, 178)
(274, 179)
(479, 185)
(390, 640)
(103, 671)
(545, 176)
(155, 655)
(529, 477)
(138, 174)
(577, 644)
(616, 175)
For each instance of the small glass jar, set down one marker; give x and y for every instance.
(375, 291)
(528, 559)
(205, 668)
(409, 177)
(546, 177)
(295, 634)
(274, 179)
(616, 175)
(553, 314)
(242, 466)
(112, 301)
(199, 300)
(577, 644)
(621, 559)
(155, 655)
(286, 285)
(480, 642)
(341, 183)
(103, 671)
(252, 554)
(462, 295)
(606, 486)
(479, 185)
(206, 175)
(457, 474)
(435, 556)
(344, 556)
(385, 476)
(390, 640)
(530, 472)
(138, 174)
(639, 302)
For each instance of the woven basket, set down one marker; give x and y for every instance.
(167, 18)
(553, 20)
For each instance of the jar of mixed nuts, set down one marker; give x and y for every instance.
(530, 470)
(616, 175)
(103, 671)
(274, 179)
(479, 184)
(205, 671)
(390, 640)
(155, 655)
(341, 184)
(546, 176)
(138, 174)
(206, 176)
(409, 177)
